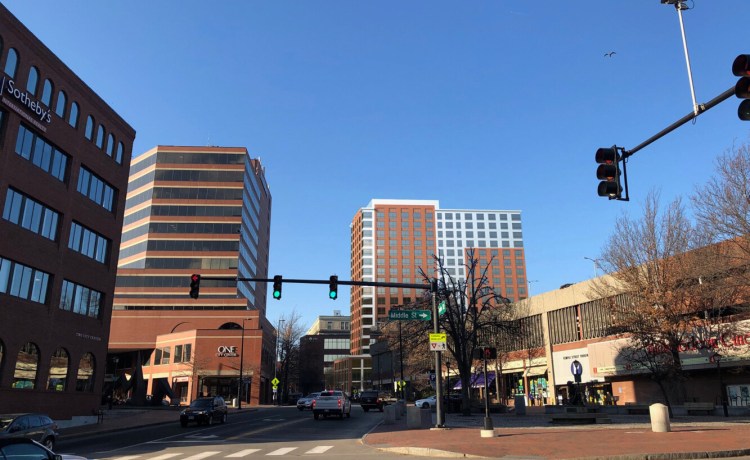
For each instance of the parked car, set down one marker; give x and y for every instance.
(37, 427)
(305, 402)
(292, 398)
(25, 448)
(426, 403)
(333, 402)
(372, 399)
(205, 410)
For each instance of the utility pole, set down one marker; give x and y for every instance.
(277, 361)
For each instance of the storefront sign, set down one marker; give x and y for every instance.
(40, 112)
(225, 351)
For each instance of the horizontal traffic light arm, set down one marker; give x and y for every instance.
(690, 116)
(428, 287)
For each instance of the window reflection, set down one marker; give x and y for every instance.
(27, 364)
(85, 378)
(58, 370)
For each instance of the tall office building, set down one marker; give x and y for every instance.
(202, 210)
(64, 157)
(393, 240)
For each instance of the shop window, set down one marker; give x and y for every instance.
(27, 364)
(58, 370)
(86, 371)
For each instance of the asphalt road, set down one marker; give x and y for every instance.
(276, 431)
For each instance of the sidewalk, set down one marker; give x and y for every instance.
(516, 436)
(532, 436)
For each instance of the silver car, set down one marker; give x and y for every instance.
(306, 401)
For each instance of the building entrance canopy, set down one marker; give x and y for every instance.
(477, 380)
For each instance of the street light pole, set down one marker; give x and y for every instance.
(401, 360)
(717, 358)
(277, 361)
(242, 360)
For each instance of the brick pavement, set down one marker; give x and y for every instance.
(518, 436)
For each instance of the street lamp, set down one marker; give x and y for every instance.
(717, 358)
(242, 360)
(596, 265)
(277, 361)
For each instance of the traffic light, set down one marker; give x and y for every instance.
(333, 287)
(195, 285)
(608, 172)
(485, 353)
(741, 68)
(277, 287)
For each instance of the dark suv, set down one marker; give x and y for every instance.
(371, 399)
(205, 410)
(38, 427)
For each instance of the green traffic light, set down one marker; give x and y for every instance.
(333, 295)
(276, 294)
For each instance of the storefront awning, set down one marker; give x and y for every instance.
(477, 380)
(535, 371)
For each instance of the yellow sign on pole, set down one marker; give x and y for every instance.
(438, 342)
(275, 381)
(439, 337)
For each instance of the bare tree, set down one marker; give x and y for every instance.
(289, 334)
(473, 307)
(722, 207)
(659, 268)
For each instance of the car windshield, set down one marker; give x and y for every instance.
(201, 403)
(5, 420)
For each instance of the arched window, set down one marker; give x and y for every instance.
(11, 63)
(110, 144)
(58, 370)
(47, 92)
(118, 154)
(32, 81)
(100, 136)
(230, 325)
(62, 100)
(86, 371)
(27, 364)
(89, 133)
(73, 117)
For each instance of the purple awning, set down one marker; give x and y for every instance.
(477, 380)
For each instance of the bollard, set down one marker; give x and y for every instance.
(659, 418)
(389, 414)
(416, 417)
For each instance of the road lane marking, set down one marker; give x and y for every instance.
(165, 456)
(318, 450)
(282, 451)
(202, 455)
(242, 453)
(128, 457)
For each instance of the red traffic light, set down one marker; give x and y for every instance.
(608, 172)
(195, 285)
(741, 66)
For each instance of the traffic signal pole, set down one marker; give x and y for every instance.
(440, 417)
(690, 116)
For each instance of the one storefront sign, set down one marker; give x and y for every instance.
(226, 351)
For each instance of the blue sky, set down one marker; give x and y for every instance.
(483, 104)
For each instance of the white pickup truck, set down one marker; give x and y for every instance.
(333, 402)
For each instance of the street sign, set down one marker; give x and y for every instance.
(275, 382)
(438, 341)
(410, 315)
(441, 308)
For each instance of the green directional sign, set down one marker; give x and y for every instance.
(441, 308)
(410, 315)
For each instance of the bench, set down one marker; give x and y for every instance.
(579, 417)
(636, 409)
(706, 407)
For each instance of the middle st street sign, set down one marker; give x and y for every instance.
(410, 315)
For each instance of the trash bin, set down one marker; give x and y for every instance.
(234, 402)
(520, 403)
(659, 414)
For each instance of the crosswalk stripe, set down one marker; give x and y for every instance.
(128, 457)
(318, 450)
(166, 456)
(202, 455)
(282, 451)
(242, 453)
